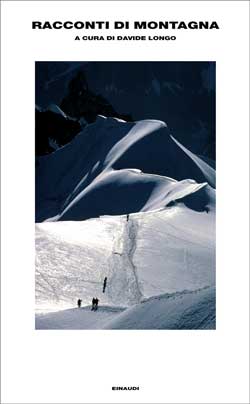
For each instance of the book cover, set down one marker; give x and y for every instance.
(125, 200)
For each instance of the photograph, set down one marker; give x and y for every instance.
(125, 186)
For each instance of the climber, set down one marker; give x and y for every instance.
(104, 284)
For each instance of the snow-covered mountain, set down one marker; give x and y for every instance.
(179, 93)
(97, 173)
(128, 201)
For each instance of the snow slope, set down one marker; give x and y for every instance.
(185, 311)
(77, 319)
(84, 169)
(180, 311)
(153, 253)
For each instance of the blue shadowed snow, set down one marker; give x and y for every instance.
(95, 169)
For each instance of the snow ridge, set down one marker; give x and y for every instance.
(97, 165)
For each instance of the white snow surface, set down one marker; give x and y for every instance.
(179, 311)
(151, 254)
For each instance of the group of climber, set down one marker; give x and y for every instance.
(95, 300)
